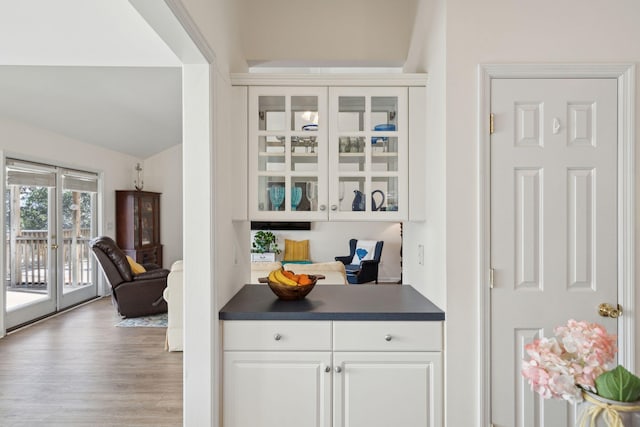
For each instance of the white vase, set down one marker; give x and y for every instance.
(606, 410)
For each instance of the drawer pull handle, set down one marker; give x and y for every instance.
(388, 337)
(277, 337)
(327, 369)
(338, 369)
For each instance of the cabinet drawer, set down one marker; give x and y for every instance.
(276, 335)
(387, 336)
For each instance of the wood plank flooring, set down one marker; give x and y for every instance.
(78, 369)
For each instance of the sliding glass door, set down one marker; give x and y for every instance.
(49, 217)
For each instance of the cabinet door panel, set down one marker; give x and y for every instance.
(387, 389)
(287, 153)
(368, 153)
(276, 389)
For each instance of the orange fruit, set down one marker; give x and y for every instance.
(304, 280)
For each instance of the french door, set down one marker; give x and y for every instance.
(50, 216)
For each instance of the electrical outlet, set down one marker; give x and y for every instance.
(420, 254)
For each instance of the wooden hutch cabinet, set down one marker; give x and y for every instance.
(138, 225)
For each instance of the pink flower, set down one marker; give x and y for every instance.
(560, 367)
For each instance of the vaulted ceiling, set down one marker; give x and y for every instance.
(90, 70)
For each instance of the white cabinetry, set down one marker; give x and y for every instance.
(277, 389)
(340, 373)
(368, 166)
(332, 148)
(287, 153)
(387, 373)
(277, 374)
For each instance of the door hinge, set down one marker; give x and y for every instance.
(491, 278)
(491, 127)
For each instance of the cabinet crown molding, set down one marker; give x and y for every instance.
(326, 79)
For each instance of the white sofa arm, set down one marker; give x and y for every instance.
(173, 294)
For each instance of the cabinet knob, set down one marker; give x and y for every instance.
(388, 337)
(323, 207)
(338, 369)
(334, 207)
(277, 337)
(327, 369)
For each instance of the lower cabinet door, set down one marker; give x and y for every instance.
(277, 389)
(376, 389)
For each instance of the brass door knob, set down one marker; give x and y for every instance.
(54, 246)
(607, 310)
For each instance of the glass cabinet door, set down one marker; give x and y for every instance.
(148, 227)
(368, 153)
(288, 153)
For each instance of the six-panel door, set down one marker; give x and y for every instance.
(553, 227)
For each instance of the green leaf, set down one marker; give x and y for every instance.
(619, 385)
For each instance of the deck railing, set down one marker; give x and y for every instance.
(27, 259)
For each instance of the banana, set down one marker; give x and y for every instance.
(272, 277)
(284, 279)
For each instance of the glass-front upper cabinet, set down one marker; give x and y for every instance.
(288, 153)
(368, 160)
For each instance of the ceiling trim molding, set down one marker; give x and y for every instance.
(192, 29)
(172, 22)
(359, 79)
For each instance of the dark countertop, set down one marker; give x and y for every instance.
(333, 302)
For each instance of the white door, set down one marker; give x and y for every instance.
(50, 217)
(382, 389)
(553, 226)
(277, 389)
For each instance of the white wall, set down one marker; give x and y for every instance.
(330, 239)
(231, 237)
(504, 31)
(208, 172)
(332, 30)
(163, 174)
(427, 54)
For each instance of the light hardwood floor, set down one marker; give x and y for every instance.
(78, 369)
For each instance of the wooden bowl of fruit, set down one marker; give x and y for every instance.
(289, 286)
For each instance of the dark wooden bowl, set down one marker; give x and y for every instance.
(292, 293)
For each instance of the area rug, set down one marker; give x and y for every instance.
(153, 321)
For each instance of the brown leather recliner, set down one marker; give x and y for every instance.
(134, 295)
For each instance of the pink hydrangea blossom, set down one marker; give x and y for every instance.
(562, 366)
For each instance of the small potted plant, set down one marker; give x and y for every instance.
(574, 366)
(264, 247)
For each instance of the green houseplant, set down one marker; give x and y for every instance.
(264, 242)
